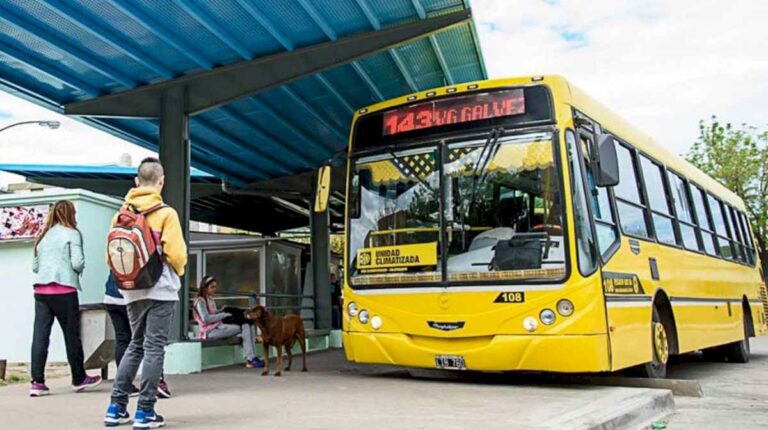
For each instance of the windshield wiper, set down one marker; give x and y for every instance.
(490, 147)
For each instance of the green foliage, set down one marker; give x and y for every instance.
(14, 379)
(737, 157)
(423, 207)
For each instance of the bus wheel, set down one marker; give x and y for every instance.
(738, 352)
(657, 368)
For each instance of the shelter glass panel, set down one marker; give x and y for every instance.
(283, 287)
(238, 273)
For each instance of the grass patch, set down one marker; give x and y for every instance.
(14, 379)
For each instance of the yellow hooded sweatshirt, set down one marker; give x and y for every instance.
(165, 223)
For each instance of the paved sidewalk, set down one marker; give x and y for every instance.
(735, 395)
(333, 395)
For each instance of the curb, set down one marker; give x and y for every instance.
(633, 409)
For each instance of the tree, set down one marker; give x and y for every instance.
(737, 157)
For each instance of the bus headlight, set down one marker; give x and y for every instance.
(363, 316)
(352, 309)
(565, 307)
(376, 322)
(530, 324)
(547, 316)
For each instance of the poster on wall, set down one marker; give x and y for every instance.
(22, 222)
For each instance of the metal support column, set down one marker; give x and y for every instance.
(321, 259)
(175, 157)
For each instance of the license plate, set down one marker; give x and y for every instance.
(452, 362)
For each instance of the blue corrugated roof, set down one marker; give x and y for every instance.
(89, 172)
(210, 202)
(55, 52)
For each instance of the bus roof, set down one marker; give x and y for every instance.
(645, 143)
(565, 92)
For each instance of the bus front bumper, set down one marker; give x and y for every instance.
(552, 353)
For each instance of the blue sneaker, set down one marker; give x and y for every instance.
(147, 419)
(255, 363)
(116, 415)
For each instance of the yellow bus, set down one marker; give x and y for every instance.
(517, 224)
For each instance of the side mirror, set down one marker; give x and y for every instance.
(606, 164)
(323, 189)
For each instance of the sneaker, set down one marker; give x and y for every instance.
(255, 363)
(88, 383)
(134, 391)
(38, 389)
(147, 419)
(162, 390)
(116, 415)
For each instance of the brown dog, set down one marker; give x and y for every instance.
(279, 332)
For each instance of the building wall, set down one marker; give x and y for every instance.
(17, 306)
(94, 222)
(17, 303)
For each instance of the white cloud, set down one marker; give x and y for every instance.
(663, 65)
(72, 143)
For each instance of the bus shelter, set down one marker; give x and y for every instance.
(251, 270)
(245, 90)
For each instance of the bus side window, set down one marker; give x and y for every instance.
(684, 211)
(629, 201)
(721, 227)
(605, 223)
(703, 220)
(659, 201)
(736, 234)
(744, 223)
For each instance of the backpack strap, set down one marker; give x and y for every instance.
(154, 208)
(136, 210)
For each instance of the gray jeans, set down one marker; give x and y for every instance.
(150, 323)
(224, 331)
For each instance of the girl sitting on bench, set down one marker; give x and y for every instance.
(210, 319)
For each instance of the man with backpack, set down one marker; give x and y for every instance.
(147, 255)
(115, 304)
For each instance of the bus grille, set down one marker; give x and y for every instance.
(764, 299)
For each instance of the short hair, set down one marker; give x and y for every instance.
(150, 171)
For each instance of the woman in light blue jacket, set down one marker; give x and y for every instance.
(58, 263)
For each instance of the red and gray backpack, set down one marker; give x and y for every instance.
(134, 256)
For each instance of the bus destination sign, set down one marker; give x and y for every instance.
(454, 110)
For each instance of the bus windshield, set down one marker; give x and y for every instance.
(502, 215)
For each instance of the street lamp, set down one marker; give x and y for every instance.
(53, 125)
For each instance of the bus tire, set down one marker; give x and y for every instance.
(714, 354)
(738, 352)
(657, 367)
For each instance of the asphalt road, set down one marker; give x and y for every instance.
(735, 395)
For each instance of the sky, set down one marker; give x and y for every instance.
(72, 143)
(661, 64)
